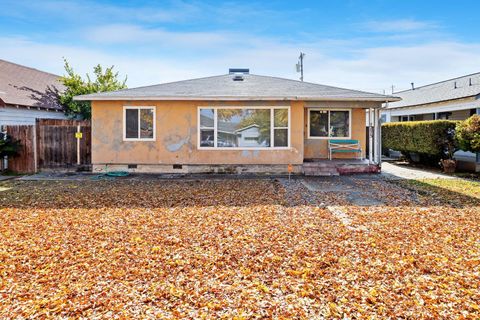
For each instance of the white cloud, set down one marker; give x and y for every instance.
(340, 63)
(134, 34)
(401, 25)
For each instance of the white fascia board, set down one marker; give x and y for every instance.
(228, 98)
(434, 109)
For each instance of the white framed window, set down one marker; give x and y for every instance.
(139, 123)
(243, 128)
(329, 123)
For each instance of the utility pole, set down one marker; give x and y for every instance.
(300, 65)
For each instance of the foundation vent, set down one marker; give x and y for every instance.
(132, 166)
(177, 166)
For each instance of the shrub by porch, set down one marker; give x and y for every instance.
(431, 140)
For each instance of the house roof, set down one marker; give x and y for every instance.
(253, 87)
(456, 88)
(24, 86)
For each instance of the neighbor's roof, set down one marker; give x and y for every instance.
(253, 87)
(456, 88)
(24, 86)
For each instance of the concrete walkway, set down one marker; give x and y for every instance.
(4, 178)
(397, 172)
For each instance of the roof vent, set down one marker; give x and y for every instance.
(238, 78)
(238, 70)
(413, 85)
(470, 81)
(455, 85)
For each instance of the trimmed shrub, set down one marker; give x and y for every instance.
(432, 140)
(8, 146)
(468, 134)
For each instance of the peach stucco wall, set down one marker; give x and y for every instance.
(317, 148)
(176, 135)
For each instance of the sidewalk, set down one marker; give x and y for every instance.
(4, 178)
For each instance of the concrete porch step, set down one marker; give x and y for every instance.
(320, 171)
(319, 165)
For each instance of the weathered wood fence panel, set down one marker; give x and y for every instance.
(24, 161)
(50, 144)
(57, 145)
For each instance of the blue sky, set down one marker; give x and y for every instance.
(368, 45)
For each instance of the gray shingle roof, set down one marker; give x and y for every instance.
(253, 87)
(466, 86)
(24, 86)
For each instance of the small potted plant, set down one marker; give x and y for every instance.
(8, 148)
(449, 164)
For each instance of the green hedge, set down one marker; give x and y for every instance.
(433, 139)
(468, 134)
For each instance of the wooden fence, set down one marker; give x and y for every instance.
(24, 161)
(50, 144)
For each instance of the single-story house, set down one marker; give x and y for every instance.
(453, 99)
(27, 94)
(237, 122)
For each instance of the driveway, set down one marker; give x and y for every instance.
(396, 172)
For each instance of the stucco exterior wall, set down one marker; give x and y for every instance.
(176, 136)
(318, 148)
(177, 129)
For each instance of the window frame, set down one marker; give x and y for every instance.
(272, 128)
(125, 108)
(328, 137)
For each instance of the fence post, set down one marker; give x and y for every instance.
(78, 146)
(3, 160)
(35, 156)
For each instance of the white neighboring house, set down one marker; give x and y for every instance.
(249, 136)
(27, 94)
(453, 99)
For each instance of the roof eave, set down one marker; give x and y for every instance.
(232, 98)
(431, 102)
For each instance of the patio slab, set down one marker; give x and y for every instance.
(352, 187)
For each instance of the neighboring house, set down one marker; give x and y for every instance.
(27, 94)
(238, 121)
(453, 99)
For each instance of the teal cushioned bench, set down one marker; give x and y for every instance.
(344, 146)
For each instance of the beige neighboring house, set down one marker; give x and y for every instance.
(453, 99)
(237, 122)
(27, 94)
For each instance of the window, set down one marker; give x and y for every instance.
(280, 127)
(244, 127)
(139, 123)
(443, 115)
(324, 124)
(207, 127)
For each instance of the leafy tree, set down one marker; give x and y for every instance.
(468, 134)
(105, 80)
